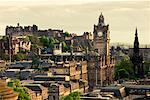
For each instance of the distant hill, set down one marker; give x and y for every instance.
(127, 45)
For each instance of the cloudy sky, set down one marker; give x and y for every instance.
(78, 16)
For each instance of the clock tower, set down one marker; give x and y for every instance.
(101, 66)
(102, 37)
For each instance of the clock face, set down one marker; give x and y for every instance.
(100, 33)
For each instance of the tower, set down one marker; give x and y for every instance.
(101, 35)
(136, 44)
(98, 74)
(137, 59)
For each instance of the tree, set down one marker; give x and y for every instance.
(45, 41)
(26, 39)
(23, 92)
(48, 42)
(72, 96)
(67, 34)
(147, 68)
(124, 69)
(35, 43)
(64, 46)
(51, 42)
(68, 98)
(75, 95)
(20, 56)
(34, 39)
(4, 56)
(35, 61)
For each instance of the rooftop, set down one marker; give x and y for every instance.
(15, 70)
(28, 70)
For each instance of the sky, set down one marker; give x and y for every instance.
(78, 16)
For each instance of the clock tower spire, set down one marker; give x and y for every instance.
(101, 20)
(101, 35)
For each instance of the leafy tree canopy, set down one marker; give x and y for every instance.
(16, 85)
(20, 56)
(45, 41)
(48, 42)
(67, 34)
(72, 96)
(34, 39)
(35, 61)
(124, 69)
(26, 39)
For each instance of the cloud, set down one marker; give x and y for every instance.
(8, 9)
(123, 9)
(79, 17)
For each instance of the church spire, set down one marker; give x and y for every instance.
(136, 43)
(136, 32)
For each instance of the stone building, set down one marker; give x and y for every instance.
(21, 31)
(64, 78)
(57, 48)
(32, 30)
(101, 64)
(75, 70)
(96, 52)
(2, 65)
(7, 93)
(13, 45)
(37, 91)
(83, 42)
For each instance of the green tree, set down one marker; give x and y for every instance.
(45, 41)
(48, 42)
(14, 83)
(35, 43)
(23, 92)
(72, 96)
(51, 41)
(56, 40)
(34, 47)
(17, 83)
(147, 68)
(64, 46)
(20, 56)
(124, 69)
(4, 56)
(35, 61)
(26, 39)
(67, 34)
(34, 39)
(68, 98)
(75, 95)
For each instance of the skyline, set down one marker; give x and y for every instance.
(78, 16)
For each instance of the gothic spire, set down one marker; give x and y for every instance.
(136, 43)
(136, 32)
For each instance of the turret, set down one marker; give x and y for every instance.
(101, 20)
